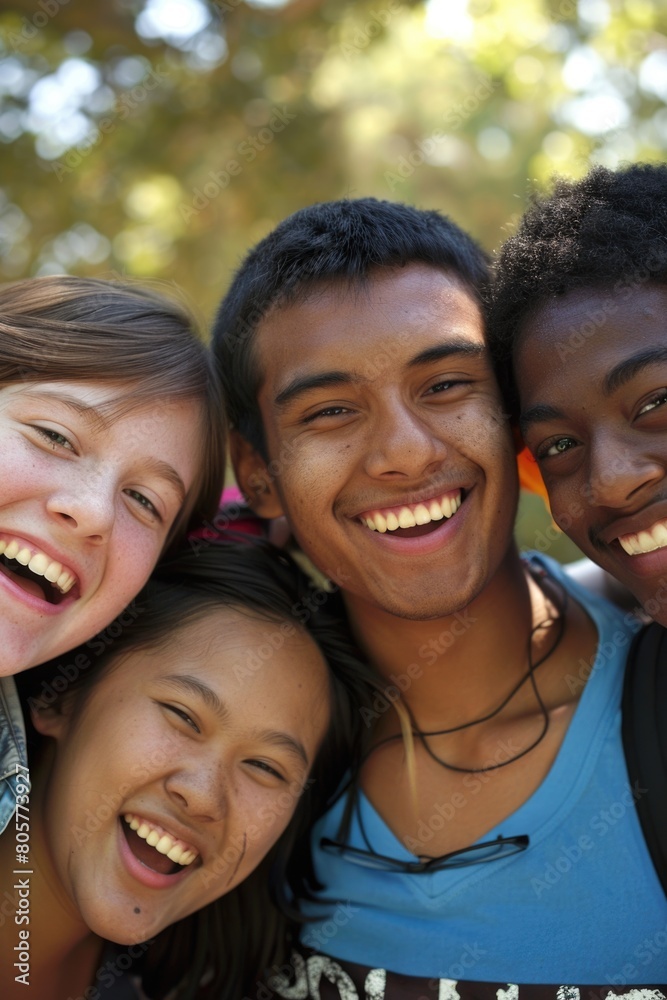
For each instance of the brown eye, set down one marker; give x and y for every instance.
(181, 715)
(653, 404)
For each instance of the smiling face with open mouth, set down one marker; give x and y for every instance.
(387, 446)
(179, 769)
(87, 498)
(592, 374)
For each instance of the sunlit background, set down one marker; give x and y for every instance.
(161, 138)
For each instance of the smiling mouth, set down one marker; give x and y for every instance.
(641, 542)
(35, 572)
(415, 519)
(155, 848)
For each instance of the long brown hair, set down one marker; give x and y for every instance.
(65, 328)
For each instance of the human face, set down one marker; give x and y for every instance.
(592, 375)
(191, 743)
(87, 498)
(380, 408)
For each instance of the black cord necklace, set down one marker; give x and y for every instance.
(529, 675)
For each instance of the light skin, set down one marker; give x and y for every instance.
(92, 489)
(594, 416)
(190, 741)
(379, 397)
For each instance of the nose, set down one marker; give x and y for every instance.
(619, 470)
(403, 444)
(199, 789)
(86, 505)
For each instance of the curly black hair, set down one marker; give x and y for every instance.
(608, 230)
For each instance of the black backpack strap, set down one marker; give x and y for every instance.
(644, 728)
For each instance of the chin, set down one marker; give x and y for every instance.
(117, 929)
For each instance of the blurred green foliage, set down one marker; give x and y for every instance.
(163, 138)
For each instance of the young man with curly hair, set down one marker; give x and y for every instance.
(578, 323)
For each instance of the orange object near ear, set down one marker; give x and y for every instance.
(530, 477)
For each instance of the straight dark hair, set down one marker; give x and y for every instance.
(342, 242)
(221, 951)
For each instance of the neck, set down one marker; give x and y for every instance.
(460, 666)
(63, 953)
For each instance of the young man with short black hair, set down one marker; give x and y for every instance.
(473, 846)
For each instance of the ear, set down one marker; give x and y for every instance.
(50, 720)
(254, 478)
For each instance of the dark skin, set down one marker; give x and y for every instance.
(382, 397)
(594, 415)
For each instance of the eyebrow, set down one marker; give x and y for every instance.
(90, 413)
(302, 384)
(537, 414)
(167, 472)
(619, 376)
(286, 742)
(636, 363)
(186, 682)
(192, 685)
(94, 415)
(439, 352)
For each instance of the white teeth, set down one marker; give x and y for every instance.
(163, 842)
(65, 582)
(660, 534)
(422, 515)
(39, 564)
(645, 541)
(408, 517)
(435, 510)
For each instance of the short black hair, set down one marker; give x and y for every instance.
(337, 241)
(231, 940)
(608, 230)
